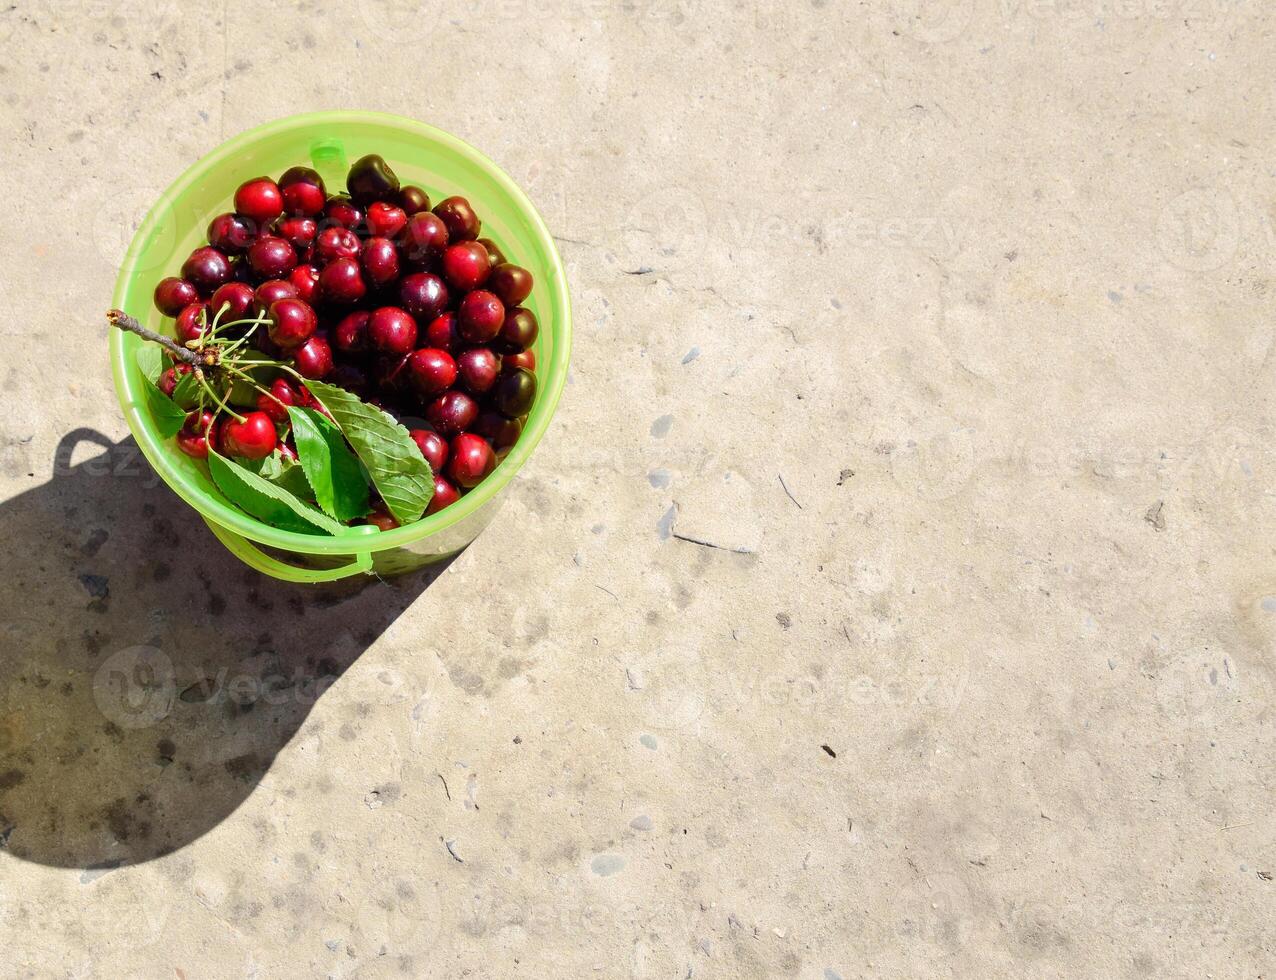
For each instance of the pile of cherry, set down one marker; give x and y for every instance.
(375, 291)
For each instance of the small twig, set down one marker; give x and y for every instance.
(710, 544)
(118, 318)
(444, 781)
(787, 491)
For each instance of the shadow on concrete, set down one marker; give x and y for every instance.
(147, 677)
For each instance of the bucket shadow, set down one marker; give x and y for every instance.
(147, 678)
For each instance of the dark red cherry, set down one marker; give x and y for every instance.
(452, 412)
(390, 372)
(191, 322)
(292, 323)
(282, 394)
(371, 179)
(465, 265)
(494, 255)
(462, 223)
(303, 192)
(381, 519)
(206, 269)
(172, 294)
(444, 495)
(273, 290)
(167, 382)
(351, 333)
(385, 220)
(432, 371)
(391, 330)
(514, 392)
(380, 261)
(349, 376)
(260, 200)
(298, 232)
(441, 333)
(433, 447)
(512, 283)
(336, 243)
(500, 431)
(341, 281)
(470, 460)
(193, 439)
(424, 295)
(412, 199)
(479, 317)
(231, 233)
(286, 451)
(423, 239)
(305, 279)
(525, 360)
(519, 330)
(237, 297)
(340, 210)
(253, 438)
(477, 368)
(313, 358)
(271, 257)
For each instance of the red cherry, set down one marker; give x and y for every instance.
(272, 291)
(471, 460)
(336, 243)
(253, 438)
(514, 393)
(286, 451)
(423, 238)
(512, 283)
(519, 330)
(341, 281)
(292, 323)
(423, 295)
(462, 223)
(465, 265)
(413, 199)
(380, 260)
(167, 382)
(385, 220)
(191, 322)
(194, 435)
(432, 371)
(494, 255)
(433, 447)
(523, 359)
(305, 279)
(478, 368)
(444, 495)
(314, 358)
(501, 432)
(351, 334)
(172, 294)
(303, 191)
(284, 394)
(441, 333)
(298, 232)
(237, 297)
(391, 330)
(206, 268)
(479, 317)
(340, 210)
(271, 257)
(382, 518)
(452, 412)
(232, 233)
(260, 200)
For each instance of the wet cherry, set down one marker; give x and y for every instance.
(432, 371)
(391, 330)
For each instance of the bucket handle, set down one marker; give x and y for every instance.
(254, 557)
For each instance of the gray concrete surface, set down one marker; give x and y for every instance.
(949, 326)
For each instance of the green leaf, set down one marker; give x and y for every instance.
(332, 469)
(265, 501)
(397, 468)
(169, 416)
(150, 361)
(283, 473)
(187, 391)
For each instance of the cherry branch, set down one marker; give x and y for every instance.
(118, 318)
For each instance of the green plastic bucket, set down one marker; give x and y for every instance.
(328, 141)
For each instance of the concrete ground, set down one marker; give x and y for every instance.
(894, 594)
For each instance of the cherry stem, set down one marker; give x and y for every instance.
(118, 318)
